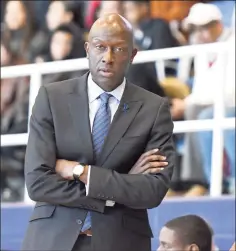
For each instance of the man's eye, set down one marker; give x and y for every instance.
(119, 49)
(100, 47)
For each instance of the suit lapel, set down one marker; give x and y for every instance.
(79, 109)
(126, 112)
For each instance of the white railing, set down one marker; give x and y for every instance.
(217, 125)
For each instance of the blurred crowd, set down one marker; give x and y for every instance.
(44, 31)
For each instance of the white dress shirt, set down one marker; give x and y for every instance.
(94, 91)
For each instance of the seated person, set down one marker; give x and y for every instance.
(60, 13)
(64, 45)
(14, 120)
(149, 33)
(208, 29)
(189, 232)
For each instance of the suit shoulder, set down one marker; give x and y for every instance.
(61, 86)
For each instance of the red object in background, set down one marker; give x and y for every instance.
(90, 18)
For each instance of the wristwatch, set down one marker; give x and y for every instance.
(78, 171)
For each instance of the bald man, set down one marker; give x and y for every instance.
(95, 156)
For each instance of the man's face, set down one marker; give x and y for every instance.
(205, 34)
(169, 241)
(110, 53)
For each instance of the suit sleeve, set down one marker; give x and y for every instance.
(42, 182)
(140, 191)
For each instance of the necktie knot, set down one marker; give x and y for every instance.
(105, 98)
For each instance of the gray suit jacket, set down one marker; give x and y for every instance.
(60, 129)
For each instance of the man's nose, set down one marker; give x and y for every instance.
(108, 57)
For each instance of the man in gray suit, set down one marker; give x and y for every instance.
(94, 153)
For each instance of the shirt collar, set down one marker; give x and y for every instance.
(94, 91)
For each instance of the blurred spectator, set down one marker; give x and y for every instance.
(64, 12)
(20, 29)
(189, 232)
(205, 138)
(209, 28)
(149, 33)
(61, 13)
(14, 114)
(14, 92)
(65, 44)
(206, 29)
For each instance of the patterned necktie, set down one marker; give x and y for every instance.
(101, 125)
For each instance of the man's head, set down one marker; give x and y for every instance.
(110, 50)
(136, 11)
(186, 233)
(204, 23)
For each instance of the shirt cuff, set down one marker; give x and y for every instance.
(88, 180)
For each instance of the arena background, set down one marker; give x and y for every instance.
(219, 211)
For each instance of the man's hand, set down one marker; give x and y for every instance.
(65, 169)
(149, 162)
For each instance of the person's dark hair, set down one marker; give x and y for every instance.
(192, 229)
(14, 57)
(76, 7)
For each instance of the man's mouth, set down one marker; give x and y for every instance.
(106, 72)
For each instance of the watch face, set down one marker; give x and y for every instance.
(78, 170)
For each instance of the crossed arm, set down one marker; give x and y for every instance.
(133, 190)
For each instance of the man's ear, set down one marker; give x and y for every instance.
(193, 247)
(134, 52)
(86, 47)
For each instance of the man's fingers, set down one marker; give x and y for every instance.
(148, 153)
(153, 170)
(152, 158)
(156, 164)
